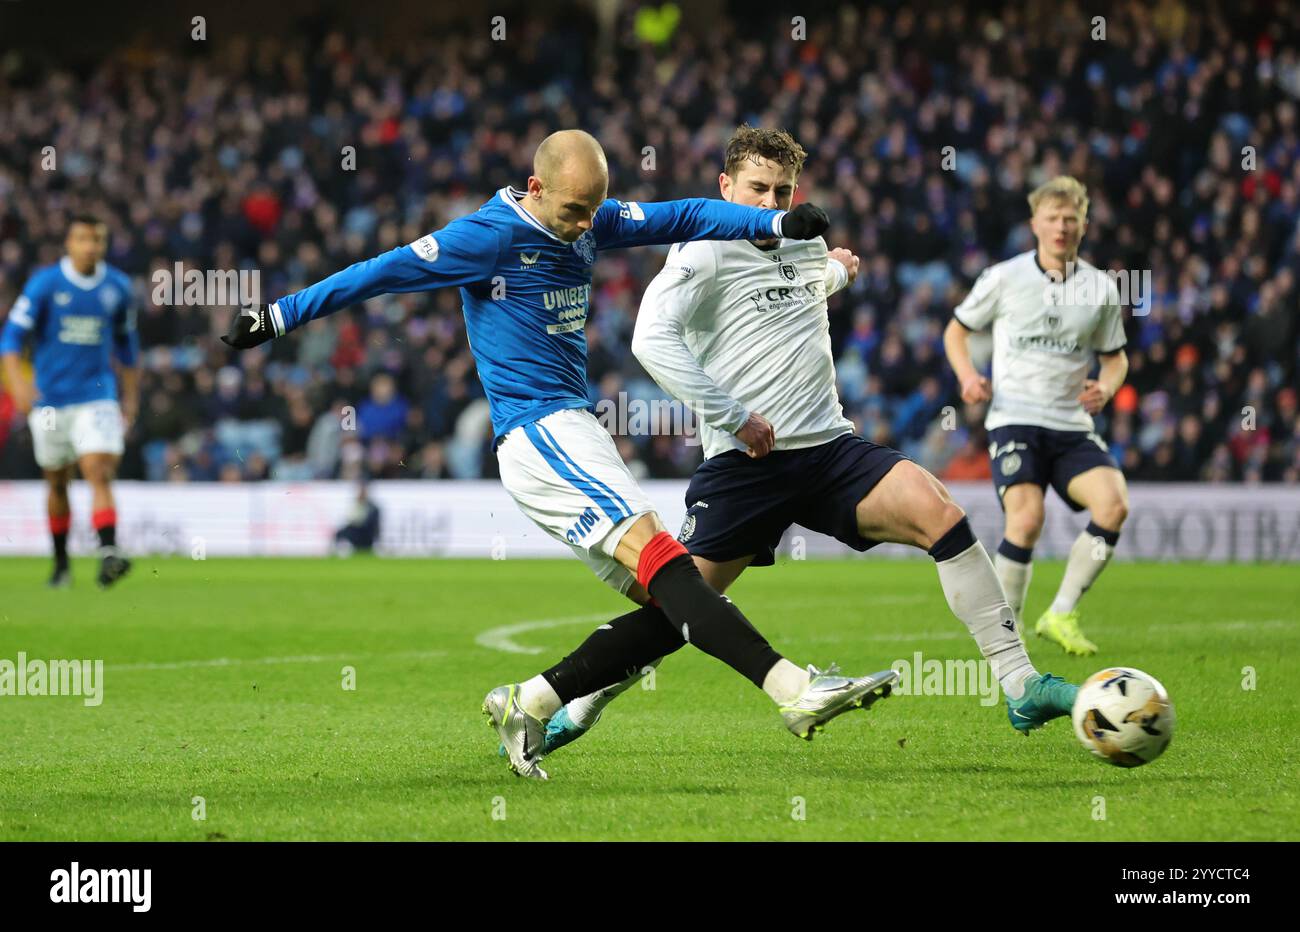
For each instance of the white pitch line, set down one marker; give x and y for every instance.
(263, 661)
(502, 637)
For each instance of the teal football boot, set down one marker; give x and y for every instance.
(1046, 697)
(560, 730)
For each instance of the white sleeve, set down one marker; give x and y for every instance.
(672, 298)
(1109, 336)
(837, 276)
(980, 308)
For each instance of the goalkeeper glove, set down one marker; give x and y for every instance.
(251, 327)
(804, 222)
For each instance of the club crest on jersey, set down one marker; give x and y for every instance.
(109, 297)
(1053, 321)
(62, 298)
(585, 247)
(688, 529)
(789, 271)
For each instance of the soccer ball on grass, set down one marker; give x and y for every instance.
(1124, 716)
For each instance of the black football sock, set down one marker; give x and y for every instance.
(59, 526)
(710, 621)
(613, 652)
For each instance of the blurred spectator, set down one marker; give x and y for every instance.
(362, 529)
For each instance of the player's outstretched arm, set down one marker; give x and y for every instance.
(463, 252)
(618, 224)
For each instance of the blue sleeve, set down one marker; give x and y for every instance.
(23, 316)
(461, 253)
(629, 223)
(126, 340)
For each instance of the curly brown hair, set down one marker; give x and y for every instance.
(749, 143)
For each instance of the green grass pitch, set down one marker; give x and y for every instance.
(224, 680)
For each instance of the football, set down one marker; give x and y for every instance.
(1124, 716)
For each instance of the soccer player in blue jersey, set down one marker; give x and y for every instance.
(523, 265)
(80, 315)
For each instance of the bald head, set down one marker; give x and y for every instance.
(569, 182)
(570, 155)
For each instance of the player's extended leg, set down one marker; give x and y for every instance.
(573, 720)
(1023, 504)
(60, 515)
(1103, 492)
(910, 506)
(566, 474)
(98, 469)
(705, 619)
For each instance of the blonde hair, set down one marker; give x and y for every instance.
(1063, 188)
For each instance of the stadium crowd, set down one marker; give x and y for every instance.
(297, 156)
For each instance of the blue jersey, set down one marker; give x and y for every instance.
(79, 323)
(524, 290)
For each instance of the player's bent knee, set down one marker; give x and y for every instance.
(1025, 526)
(1111, 514)
(949, 515)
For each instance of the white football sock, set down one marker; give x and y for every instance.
(975, 596)
(538, 699)
(1088, 557)
(584, 710)
(785, 682)
(1014, 577)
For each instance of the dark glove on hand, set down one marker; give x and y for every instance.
(251, 327)
(806, 221)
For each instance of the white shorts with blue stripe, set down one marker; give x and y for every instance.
(565, 473)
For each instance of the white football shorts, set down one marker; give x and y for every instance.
(63, 435)
(566, 475)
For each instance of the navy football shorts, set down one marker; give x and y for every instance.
(1024, 453)
(737, 505)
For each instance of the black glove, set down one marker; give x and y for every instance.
(251, 327)
(804, 222)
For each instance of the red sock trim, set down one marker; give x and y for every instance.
(103, 518)
(661, 548)
(59, 524)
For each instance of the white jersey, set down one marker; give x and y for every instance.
(731, 329)
(1044, 336)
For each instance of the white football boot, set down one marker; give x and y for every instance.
(829, 694)
(523, 736)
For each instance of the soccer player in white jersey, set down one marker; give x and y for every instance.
(523, 264)
(739, 331)
(1050, 312)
